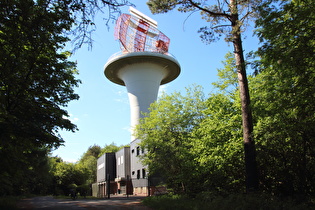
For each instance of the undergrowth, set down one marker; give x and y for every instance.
(208, 201)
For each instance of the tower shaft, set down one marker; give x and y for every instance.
(142, 81)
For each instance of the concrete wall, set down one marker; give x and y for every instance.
(138, 170)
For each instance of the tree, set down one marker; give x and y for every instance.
(108, 148)
(217, 145)
(83, 13)
(226, 18)
(165, 136)
(36, 79)
(66, 176)
(89, 162)
(227, 80)
(35, 82)
(283, 93)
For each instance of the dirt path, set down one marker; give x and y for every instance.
(48, 202)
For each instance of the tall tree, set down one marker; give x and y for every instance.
(36, 79)
(226, 17)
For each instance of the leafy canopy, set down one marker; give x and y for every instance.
(36, 83)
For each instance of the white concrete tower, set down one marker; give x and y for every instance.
(142, 73)
(142, 66)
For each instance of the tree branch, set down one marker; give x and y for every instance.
(214, 14)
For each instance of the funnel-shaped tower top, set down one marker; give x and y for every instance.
(139, 33)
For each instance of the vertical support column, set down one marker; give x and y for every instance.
(108, 186)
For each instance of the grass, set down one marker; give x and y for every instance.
(209, 201)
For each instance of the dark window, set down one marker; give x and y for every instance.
(132, 151)
(143, 173)
(138, 174)
(138, 151)
(133, 173)
(142, 149)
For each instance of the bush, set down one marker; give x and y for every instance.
(8, 202)
(208, 201)
(169, 201)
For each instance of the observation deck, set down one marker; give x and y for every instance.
(120, 60)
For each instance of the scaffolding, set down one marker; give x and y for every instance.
(138, 35)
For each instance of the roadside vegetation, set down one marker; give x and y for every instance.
(208, 201)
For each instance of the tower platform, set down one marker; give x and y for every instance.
(119, 61)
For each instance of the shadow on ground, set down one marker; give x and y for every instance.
(115, 202)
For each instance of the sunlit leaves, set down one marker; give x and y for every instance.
(165, 133)
(283, 96)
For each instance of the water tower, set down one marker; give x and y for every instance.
(142, 65)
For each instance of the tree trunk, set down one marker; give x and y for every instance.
(247, 122)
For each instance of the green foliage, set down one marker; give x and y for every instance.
(36, 81)
(88, 162)
(206, 154)
(226, 18)
(284, 98)
(165, 135)
(9, 202)
(218, 15)
(109, 148)
(208, 201)
(66, 176)
(217, 142)
(227, 78)
(217, 145)
(168, 202)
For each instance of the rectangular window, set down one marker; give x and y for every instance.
(143, 173)
(138, 151)
(138, 174)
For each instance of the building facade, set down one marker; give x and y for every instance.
(106, 174)
(117, 175)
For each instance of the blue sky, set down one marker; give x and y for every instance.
(102, 112)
